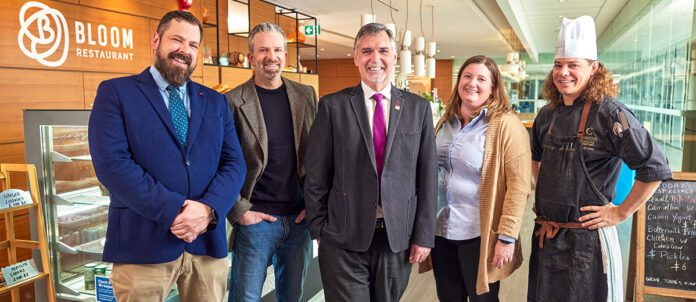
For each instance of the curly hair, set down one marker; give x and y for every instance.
(497, 104)
(600, 85)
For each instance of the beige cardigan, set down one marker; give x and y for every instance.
(505, 187)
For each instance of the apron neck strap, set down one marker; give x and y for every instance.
(583, 118)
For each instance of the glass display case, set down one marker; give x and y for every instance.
(76, 204)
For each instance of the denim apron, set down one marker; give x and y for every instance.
(569, 267)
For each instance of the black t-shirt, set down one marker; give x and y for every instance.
(278, 191)
(606, 142)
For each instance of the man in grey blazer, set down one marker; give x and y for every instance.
(371, 180)
(272, 116)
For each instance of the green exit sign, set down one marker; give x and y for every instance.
(311, 30)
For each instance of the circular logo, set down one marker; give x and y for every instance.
(45, 29)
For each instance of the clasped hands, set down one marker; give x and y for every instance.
(193, 220)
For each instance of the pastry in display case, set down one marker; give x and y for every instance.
(76, 203)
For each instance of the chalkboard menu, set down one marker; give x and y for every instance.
(670, 236)
(666, 237)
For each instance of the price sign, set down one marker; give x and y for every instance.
(666, 240)
(104, 290)
(19, 271)
(14, 198)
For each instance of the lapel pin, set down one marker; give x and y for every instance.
(398, 105)
(200, 93)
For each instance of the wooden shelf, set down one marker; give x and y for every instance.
(12, 243)
(5, 288)
(243, 35)
(301, 45)
(14, 209)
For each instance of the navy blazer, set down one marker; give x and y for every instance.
(149, 173)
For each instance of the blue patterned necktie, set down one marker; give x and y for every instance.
(177, 110)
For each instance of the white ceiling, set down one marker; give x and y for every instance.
(462, 27)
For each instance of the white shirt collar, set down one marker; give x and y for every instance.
(368, 92)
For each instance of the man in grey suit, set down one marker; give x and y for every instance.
(371, 180)
(272, 116)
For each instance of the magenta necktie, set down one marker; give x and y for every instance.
(379, 133)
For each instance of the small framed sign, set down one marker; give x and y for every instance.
(104, 290)
(19, 271)
(14, 198)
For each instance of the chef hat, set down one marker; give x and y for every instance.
(577, 39)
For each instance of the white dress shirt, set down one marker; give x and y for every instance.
(370, 104)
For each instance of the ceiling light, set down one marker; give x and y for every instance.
(405, 53)
(419, 58)
(367, 19)
(511, 65)
(322, 49)
(430, 61)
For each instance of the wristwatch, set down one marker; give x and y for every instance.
(504, 241)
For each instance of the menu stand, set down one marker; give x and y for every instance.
(11, 243)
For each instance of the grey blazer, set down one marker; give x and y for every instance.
(251, 130)
(341, 186)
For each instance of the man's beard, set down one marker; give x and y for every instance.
(173, 74)
(270, 75)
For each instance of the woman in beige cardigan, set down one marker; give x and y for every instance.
(484, 171)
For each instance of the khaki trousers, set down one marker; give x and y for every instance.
(198, 278)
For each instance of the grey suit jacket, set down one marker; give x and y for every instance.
(251, 130)
(341, 185)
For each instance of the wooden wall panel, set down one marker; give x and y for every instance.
(234, 77)
(292, 76)
(13, 56)
(443, 79)
(311, 80)
(210, 40)
(154, 9)
(335, 74)
(261, 12)
(33, 90)
(91, 83)
(288, 25)
(211, 75)
(222, 26)
(12, 153)
(208, 11)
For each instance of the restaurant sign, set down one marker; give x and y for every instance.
(67, 36)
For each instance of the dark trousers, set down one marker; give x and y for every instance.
(455, 266)
(377, 274)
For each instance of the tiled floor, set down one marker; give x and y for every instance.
(422, 287)
(513, 289)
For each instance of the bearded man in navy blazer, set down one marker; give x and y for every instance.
(167, 151)
(371, 179)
